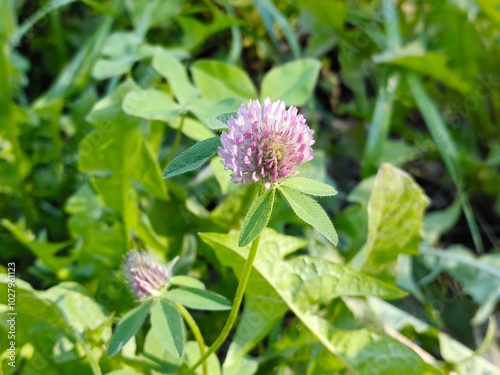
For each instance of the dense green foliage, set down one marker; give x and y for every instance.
(98, 97)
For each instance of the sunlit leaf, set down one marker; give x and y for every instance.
(311, 212)
(257, 217)
(193, 158)
(167, 322)
(293, 82)
(128, 327)
(395, 216)
(198, 299)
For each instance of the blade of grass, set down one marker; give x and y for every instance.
(391, 21)
(234, 54)
(35, 17)
(381, 122)
(78, 71)
(270, 14)
(447, 148)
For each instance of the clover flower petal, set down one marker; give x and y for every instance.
(265, 143)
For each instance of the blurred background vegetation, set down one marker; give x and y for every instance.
(413, 83)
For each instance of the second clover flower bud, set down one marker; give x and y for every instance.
(265, 143)
(146, 277)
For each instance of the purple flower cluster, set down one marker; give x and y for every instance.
(146, 277)
(265, 143)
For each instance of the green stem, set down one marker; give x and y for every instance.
(195, 330)
(238, 298)
(177, 140)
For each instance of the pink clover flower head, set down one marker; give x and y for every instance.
(265, 143)
(146, 277)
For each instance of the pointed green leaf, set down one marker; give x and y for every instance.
(395, 214)
(220, 122)
(447, 148)
(311, 212)
(199, 299)
(310, 187)
(257, 217)
(293, 82)
(187, 281)
(167, 322)
(128, 327)
(193, 158)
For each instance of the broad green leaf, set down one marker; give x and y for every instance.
(220, 122)
(199, 299)
(292, 82)
(167, 323)
(187, 281)
(217, 81)
(305, 283)
(193, 158)
(104, 68)
(309, 187)
(128, 326)
(244, 366)
(82, 311)
(151, 104)
(395, 215)
(30, 304)
(121, 43)
(47, 319)
(172, 69)
(311, 212)
(204, 109)
(257, 217)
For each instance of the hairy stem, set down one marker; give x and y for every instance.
(238, 298)
(196, 332)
